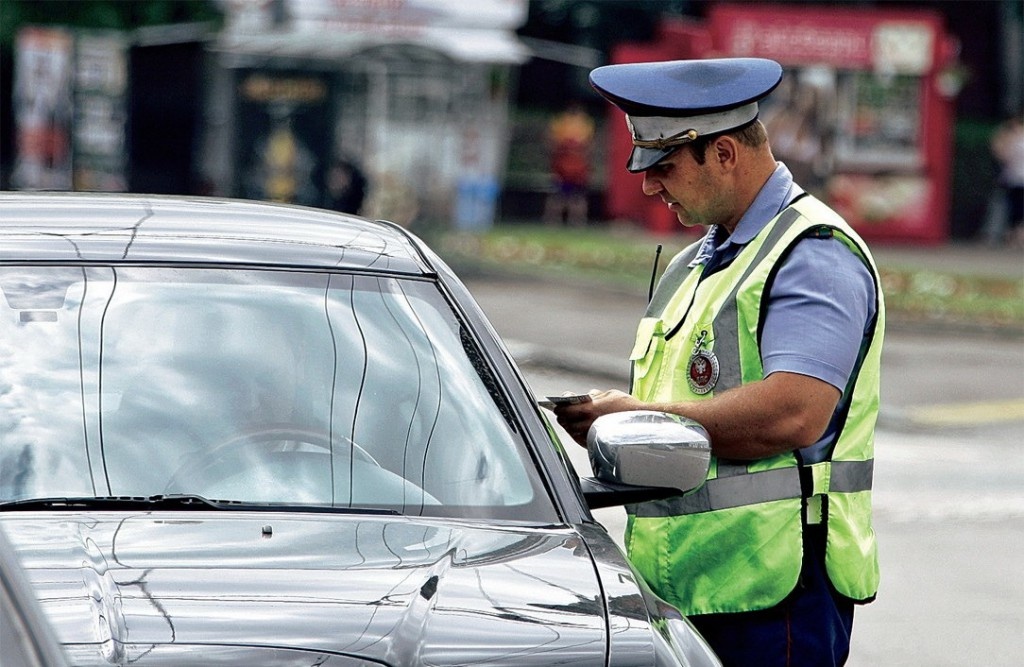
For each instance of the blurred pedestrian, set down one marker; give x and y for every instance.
(799, 130)
(1008, 148)
(345, 186)
(570, 135)
(768, 332)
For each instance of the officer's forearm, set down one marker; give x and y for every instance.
(781, 413)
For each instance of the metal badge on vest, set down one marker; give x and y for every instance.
(702, 375)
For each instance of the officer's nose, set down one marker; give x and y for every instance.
(651, 185)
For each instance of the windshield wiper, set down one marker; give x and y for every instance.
(173, 502)
(185, 502)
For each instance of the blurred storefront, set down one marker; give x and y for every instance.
(43, 109)
(414, 92)
(70, 106)
(863, 118)
(92, 109)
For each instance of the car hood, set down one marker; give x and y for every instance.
(293, 588)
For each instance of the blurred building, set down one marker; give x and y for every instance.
(443, 103)
(417, 93)
(864, 117)
(95, 109)
(958, 70)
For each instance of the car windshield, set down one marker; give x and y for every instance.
(292, 388)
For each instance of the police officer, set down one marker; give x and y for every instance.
(768, 332)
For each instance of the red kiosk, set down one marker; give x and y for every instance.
(863, 117)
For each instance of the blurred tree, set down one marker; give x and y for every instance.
(111, 14)
(593, 24)
(599, 23)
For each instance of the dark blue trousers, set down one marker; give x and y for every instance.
(810, 628)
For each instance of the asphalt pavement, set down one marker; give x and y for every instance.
(948, 502)
(588, 329)
(967, 258)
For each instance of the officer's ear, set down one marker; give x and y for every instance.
(724, 152)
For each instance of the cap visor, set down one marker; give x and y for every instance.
(642, 159)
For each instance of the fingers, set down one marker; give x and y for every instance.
(579, 434)
(575, 424)
(577, 418)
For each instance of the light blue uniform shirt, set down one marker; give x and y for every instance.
(821, 302)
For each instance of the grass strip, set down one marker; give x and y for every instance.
(621, 258)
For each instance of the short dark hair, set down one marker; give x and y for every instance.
(752, 134)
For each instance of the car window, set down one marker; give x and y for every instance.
(257, 386)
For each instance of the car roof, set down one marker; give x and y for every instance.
(131, 228)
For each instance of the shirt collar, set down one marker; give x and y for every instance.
(777, 192)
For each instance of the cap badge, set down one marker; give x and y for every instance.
(661, 143)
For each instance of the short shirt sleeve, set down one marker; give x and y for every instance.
(820, 305)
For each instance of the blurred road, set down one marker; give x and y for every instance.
(949, 481)
(930, 376)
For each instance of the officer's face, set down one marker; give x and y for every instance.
(693, 191)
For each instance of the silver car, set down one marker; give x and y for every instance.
(253, 434)
(26, 637)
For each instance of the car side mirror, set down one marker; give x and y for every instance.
(643, 455)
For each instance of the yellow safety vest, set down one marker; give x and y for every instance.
(736, 542)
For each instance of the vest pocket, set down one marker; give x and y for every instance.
(647, 351)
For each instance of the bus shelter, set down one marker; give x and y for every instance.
(416, 94)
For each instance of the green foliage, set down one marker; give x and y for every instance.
(932, 296)
(623, 259)
(614, 258)
(105, 14)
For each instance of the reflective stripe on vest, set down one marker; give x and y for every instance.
(727, 320)
(741, 488)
